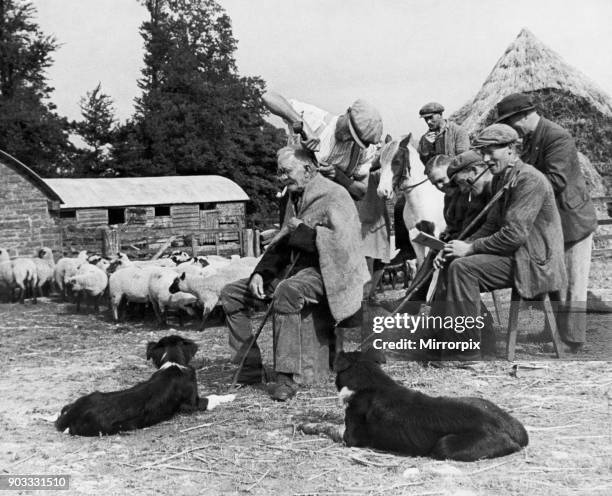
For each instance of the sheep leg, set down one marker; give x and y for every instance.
(157, 312)
(21, 293)
(78, 301)
(33, 290)
(96, 303)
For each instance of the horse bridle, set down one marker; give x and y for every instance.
(406, 170)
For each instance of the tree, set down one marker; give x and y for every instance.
(30, 129)
(197, 115)
(97, 129)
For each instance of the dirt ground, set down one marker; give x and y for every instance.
(50, 356)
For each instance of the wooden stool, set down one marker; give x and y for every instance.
(320, 340)
(549, 322)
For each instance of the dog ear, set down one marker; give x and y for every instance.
(373, 355)
(150, 348)
(342, 362)
(190, 348)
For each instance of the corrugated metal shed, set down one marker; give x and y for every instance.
(132, 191)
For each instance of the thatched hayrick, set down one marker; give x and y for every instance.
(560, 92)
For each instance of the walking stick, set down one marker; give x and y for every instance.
(255, 336)
(418, 284)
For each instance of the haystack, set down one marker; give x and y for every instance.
(560, 92)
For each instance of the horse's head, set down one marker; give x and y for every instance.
(395, 170)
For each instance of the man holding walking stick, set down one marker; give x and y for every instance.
(322, 228)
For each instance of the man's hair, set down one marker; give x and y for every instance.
(299, 154)
(437, 161)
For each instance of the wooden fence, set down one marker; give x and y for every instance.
(602, 240)
(144, 243)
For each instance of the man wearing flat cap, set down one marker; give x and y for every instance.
(444, 137)
(520, 243)
(345, 147)
(551, 150)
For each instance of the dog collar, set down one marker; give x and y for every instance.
(172, 364)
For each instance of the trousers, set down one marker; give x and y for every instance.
(467, 277)
(571, 315)
(288, 300)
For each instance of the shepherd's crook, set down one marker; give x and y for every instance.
(255, 336)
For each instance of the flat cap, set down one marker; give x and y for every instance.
(462, 161)
(365, 123)
(496, 135)
(513, 104)
(431, 108)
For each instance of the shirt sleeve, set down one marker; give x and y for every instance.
(315, 117)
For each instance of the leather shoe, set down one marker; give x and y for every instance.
(284, 388)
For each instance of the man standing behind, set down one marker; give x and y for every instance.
(551, 150)
(444, 137)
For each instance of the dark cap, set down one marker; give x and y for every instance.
(496, 135)
(431, 108)
(464, 160)
(365, 123)
(513, 104)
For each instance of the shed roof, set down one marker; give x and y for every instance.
(132, 191)
(19, 167)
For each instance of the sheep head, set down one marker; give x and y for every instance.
(175, 286)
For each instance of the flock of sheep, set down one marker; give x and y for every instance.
(199, 280)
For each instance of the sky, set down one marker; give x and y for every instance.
(397, 54)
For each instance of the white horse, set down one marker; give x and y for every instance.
(402, 172)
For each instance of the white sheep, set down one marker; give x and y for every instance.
(65, 268)
(161, 299)
(20, 273)
(130, 282)
(45, 267)
(89, 280)
(7, 281)
(206, 283)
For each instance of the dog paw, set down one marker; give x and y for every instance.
(344, 396)
(215, 400)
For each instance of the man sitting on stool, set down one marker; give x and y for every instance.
(520, 244)
(322, 228)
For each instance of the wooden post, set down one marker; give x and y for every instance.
(217, 243)
(241, 242)
(257, 243)
(194, 246)
(249, 243)
(110, 242)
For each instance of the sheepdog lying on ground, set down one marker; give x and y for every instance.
(384, 415)
(171, 389)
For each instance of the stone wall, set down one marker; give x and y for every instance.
(26, 223)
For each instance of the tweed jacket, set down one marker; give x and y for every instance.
(452, 140)
(525, 224)
(552, 151)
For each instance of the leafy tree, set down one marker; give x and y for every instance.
(97, 129)
(197, 115)
(30, 129)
